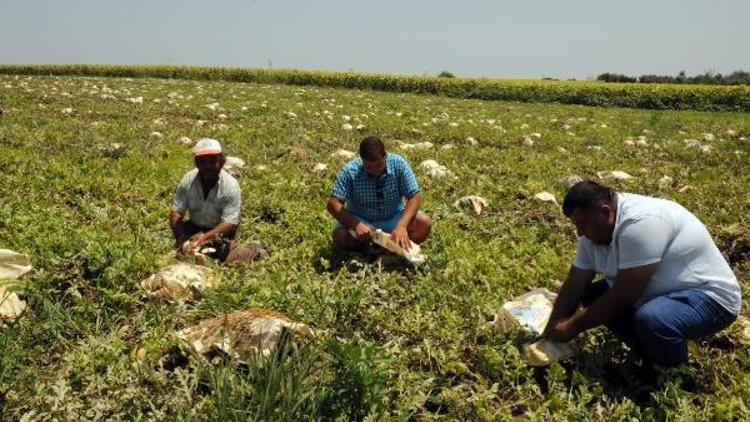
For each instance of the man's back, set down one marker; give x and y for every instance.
(650, 230)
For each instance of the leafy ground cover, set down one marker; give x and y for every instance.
(89, 169)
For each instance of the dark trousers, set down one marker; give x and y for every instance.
(228, 249)
(660, 329)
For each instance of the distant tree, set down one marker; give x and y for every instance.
(615, 77)
(446, 74)
(738, 77)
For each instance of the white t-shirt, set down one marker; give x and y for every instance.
(221, 204)
(651, 230)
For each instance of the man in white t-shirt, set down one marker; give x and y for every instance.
(665, 280)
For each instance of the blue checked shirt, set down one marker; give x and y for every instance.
(375, 198)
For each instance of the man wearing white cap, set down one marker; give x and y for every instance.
(212, 198)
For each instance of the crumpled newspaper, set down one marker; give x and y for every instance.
(414, 254)
(474, 202)
(243, 335)
(180, 281)
(12, 266)
(530, 313)
(569, 181)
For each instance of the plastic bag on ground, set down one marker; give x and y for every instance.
(243, 335)
(180, 281)
(12, 266)
(433, 169)
(530, 313)
(474, 202)
(616, 174)
(11, 305)
(234, 165)
(545, 197)
(545, 352)
(419, 146)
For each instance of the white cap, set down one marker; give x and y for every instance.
(206, 146)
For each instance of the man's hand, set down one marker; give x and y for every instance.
(401, 236)
(179, 242)
(200, 239)
(561, 331)
(364, 232)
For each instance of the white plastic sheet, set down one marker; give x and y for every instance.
(474, 202)
(530, 313)
(12, 266)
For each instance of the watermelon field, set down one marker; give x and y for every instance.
(90, 163)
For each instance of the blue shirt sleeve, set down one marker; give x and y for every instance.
(343, 185)
(408, 185)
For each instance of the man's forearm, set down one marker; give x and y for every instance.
(566, 303)
(340, 213)
(627, 288)
(410, 210)
(177, 225)
(602, 311)
(222, 229)
(569, 297)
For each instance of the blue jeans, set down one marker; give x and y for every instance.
(660, 329)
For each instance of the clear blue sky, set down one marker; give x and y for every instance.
(502, 39)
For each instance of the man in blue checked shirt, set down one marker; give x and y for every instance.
(369, 194)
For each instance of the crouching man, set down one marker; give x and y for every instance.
(212, 197)
(665, 280)
(369, 194)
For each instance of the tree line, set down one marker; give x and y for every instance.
(738, 77)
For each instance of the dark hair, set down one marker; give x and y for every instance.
(371, 148)
(586, 195)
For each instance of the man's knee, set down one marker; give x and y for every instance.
(340, 236)
(662, 342)
(420, 227)
(245, 253)
(342, 239)
(649, 320)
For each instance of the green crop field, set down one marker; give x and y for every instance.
(89, 168)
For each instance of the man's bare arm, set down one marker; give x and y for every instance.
(627, 288)
(221, 229)
(410, 210)
(177, 225)
(336, 208)
(570, 294)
